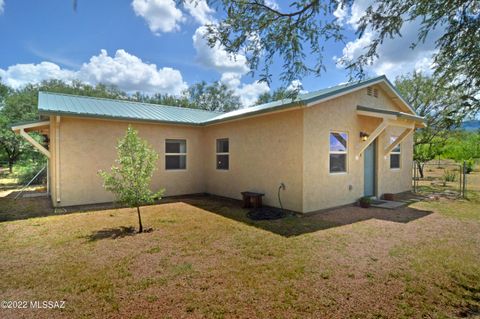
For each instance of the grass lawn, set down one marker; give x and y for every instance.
(205, 259)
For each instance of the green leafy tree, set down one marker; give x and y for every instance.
(458, 57)
(131, 177)
(21, 105)
(443, 107)
(162, 99)
(279, 94)
(463, 146)
(212, 97)
(296, 32)
(10, 143)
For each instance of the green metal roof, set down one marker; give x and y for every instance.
(72, 105)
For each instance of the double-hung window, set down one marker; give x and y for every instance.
(394, 155)
(338, 152)
(175, 154)
(223, 154)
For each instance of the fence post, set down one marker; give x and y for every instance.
(460, 179)
(414, 176)
(464, 178)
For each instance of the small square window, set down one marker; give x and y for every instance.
(222, 145)
(175, 154)
(338, 163)
(222, 161)
(394, 160)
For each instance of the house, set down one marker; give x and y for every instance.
(328, 147)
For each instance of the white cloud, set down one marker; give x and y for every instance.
(341, 12)
(272, 4)
(200, 11)
(19, 75)
(296, 85)
(124, 70)
(2, 6)
(248, 93)
(217, 58)
(161, 15)
(395, 55)
(131, 74)
(231, 67)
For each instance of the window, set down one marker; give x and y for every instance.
(222, 154)
(338, 152)
(175, 154)
(394, 154)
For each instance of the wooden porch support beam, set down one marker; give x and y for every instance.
(397, 141)
(404, 124)
(35, 144)
(380, 128)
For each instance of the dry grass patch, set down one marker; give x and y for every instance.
(204, 258)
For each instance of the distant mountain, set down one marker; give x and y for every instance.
(473, 125)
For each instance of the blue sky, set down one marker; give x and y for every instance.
(156, 46)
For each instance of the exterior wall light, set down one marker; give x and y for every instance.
(364, 136)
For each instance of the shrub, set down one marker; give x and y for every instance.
(25, 171)
(449, 176)
(365, 201)
(469, 165)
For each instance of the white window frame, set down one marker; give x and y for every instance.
(176, 154)
(338, 152)
(222, 153)
(393, 152)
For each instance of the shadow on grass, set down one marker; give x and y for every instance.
(291, 225)
(112, 233)
(294, 224)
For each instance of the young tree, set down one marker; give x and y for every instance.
(131, 177)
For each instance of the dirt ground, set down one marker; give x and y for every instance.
(205, 259)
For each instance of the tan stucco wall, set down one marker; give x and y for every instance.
(290, 147)
(264, 152)
(395, 180)
(88, 145)
(321, 189)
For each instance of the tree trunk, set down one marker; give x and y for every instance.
(10, 166)
(140, 228)
(420, 169)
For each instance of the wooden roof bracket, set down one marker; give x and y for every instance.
(380, 128)
(34, 143)
(397, 141)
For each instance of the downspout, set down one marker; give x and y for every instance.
(48, 176)
(57, 158)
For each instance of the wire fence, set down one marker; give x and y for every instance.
(440, 177)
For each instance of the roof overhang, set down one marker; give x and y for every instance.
(381, 80)
(36, 126)
(391, 115)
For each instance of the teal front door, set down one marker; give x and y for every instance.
(369, 169)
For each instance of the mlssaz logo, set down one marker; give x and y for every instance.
(47, 304)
